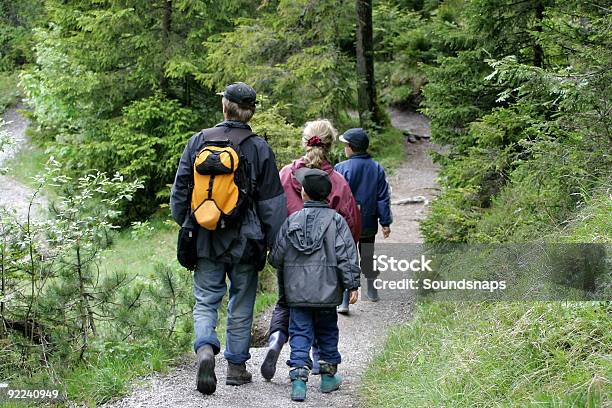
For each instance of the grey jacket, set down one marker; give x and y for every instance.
(248, 243)
(316, 257)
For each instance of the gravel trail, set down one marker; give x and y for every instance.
(13, 194)
(361, 333)
(415, 177)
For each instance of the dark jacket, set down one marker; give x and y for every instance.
(371, 190)
(340, 199)
(316, 257)
(246, 243)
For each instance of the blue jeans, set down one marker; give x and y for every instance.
(307, 324)
(209, 287)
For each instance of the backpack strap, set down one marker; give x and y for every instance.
(239, 135)
(223, 133)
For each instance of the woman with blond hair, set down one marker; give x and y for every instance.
(318, 137)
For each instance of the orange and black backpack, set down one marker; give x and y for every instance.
(221, 178)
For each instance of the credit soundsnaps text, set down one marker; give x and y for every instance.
(422, 264)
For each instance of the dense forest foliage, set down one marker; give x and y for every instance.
(525, 107)
(517, 91)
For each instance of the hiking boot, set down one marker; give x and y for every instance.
(275, 345)
(330, 380)
(299, 378)
(237, 374)
(344, 307)
(315, 360)
(206, 380)
(372, 292)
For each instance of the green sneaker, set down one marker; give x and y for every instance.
(299, 378)
(330, 380)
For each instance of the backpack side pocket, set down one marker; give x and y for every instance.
(186, 247)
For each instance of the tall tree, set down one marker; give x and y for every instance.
(366, 89)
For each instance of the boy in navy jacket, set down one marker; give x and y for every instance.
(371, 190)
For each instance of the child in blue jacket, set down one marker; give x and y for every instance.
(367, 180)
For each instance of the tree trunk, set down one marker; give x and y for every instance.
(538, 52)
(87, 318)
(366, 91)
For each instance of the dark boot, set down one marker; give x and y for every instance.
(299, 378)
(344, 307)
(206, 381)
(315, 360)
(330, 380)
(237, 374)
(372, 292)
(275, 345)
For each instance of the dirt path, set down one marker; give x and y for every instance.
(415, 177)
(13, 194)
(361, 333)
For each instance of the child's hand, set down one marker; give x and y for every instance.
(353, 296)
(386, 231)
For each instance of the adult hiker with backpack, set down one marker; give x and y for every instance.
(229, 201)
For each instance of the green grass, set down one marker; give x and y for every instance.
(389, 148)
(28, 162)
(9, 92)
(109, 375)
(136, 250)
(496, 355)
(592, 223)
(503, 354)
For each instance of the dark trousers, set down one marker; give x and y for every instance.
(307, 324)
(366, 250)
(280, 317)
(280, 314)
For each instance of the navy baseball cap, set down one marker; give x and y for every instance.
(316, 182)
(240, 93)
(357, 138)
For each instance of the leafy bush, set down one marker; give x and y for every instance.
(17, 18)
(52, 296)
(283, 137)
